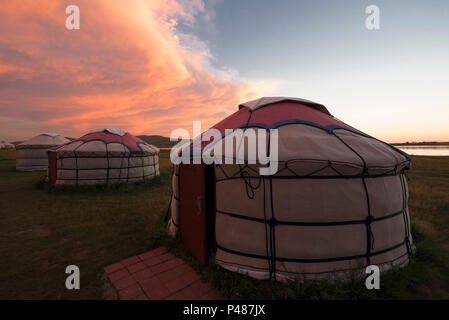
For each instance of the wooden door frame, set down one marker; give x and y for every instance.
(208, 195)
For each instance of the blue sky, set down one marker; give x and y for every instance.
(151, 66)
(388, 82)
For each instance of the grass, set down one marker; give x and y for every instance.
(44, 229)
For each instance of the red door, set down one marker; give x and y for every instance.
(192, 209)
(52, 167)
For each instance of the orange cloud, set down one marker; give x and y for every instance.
(128, 66)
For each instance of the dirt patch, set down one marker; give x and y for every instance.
(42, 231)
(109, 292)
(38, 231)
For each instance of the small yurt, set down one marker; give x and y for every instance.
(337, 202)
(31, 155)
(103, 156)
(6, 145)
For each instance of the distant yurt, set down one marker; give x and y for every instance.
(6, 145)
(103, 156)
(31, 155)
(337, 203)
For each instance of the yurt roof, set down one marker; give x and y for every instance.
(112, 136)
(273, 112)
(50, 134)
(265, 101)
(119, 132)
(277, 112)
(4, 144)
(44, 140)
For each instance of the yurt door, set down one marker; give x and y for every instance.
(52, 168)
(192, 209)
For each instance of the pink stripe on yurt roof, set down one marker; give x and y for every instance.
(130, 141)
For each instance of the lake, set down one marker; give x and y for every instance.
(426, 150)
(414, 150)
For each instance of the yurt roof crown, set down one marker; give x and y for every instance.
(115, 135)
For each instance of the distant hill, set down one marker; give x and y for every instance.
(424, 143)
(158, 141)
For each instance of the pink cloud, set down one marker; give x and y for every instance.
(128, 66)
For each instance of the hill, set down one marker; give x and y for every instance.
(158, 141)
(423, 143)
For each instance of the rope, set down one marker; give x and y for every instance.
(405, 218)
(248, 186)
(168, 209)
(107, 170)
(311, 223)
(265, 226)
(143, 168)
(356, 176)
(76, 163)
(127, 169)
(369, 233)
(319, 260)
(313, 273)
(273, 224)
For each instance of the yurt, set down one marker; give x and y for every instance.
(6, 145)
(31, 155)
(103, 156)
(336, 204)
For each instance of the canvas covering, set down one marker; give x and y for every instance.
(102, 157)
(337, 203)
(31, 155)
(6, 145)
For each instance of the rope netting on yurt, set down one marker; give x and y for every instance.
(31, 155)
(103, 156)
(6, 145)
(337, 202)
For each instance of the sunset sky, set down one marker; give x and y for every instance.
(152, 66)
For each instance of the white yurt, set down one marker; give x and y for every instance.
(6, 145)
(336, 204)
(103, 156)
(32, 154)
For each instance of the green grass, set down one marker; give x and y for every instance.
(44, 229)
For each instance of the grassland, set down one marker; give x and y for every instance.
(43, 230)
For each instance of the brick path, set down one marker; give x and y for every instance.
(157, 275)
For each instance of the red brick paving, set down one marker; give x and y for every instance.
(157, 275)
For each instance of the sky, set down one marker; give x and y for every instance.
(150, 66)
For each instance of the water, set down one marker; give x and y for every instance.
(426, 150)
(413, 150)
